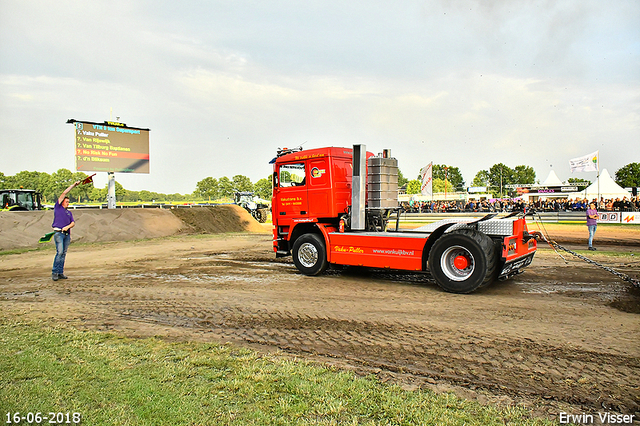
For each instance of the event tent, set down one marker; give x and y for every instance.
(607, 189)
(552, 180)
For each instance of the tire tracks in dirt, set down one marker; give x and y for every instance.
(515, 367)
(495, 342)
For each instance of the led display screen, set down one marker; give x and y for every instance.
(110, 147)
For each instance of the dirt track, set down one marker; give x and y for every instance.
(557, 338)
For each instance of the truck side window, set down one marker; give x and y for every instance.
(292, 175)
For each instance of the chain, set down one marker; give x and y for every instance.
(620, 275)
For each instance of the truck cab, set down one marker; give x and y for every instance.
(309, 187)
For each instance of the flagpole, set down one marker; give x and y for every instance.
(598, 177)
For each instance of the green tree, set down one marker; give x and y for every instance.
(439, 185)
(263, 188)
(98, 195)
(629, 176)
(452, 175)
(81, 191)
(176, 197)
(401, 179)
(121, 193)
(39, 181)
(28, 180)
(157, 196)
(132, 196)
(242, 183)
(524, 175)
(500, 176)
(208, 188)
(145, 196)
(481, 178)
(60, 181)
(226, 187)
(413, 186)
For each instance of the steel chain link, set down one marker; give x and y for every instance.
(555, 245)
(624, 277)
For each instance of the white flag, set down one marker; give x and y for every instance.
(427, 182)
(588, 163)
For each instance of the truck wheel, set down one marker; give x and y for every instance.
(462, 261)
(262, 215)
(310, 254)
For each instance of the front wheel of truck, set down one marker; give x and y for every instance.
(310, 254)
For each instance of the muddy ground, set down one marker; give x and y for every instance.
(563, 336)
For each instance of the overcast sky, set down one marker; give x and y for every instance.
(223, 84)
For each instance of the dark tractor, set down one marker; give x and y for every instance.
(258, 207)
(15, 200)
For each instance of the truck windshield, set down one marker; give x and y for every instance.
(292, 175)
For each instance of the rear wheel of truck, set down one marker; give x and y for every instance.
(463, 260)
(310, 254)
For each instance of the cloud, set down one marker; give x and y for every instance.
(222, 85)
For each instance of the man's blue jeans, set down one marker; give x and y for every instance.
(592, 232)
(62, 241)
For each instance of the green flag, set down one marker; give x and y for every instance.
(46, 237)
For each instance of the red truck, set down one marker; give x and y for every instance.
(333, 206)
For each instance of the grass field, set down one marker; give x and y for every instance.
(109, 379)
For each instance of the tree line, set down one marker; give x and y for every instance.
(448, 178)
(497, 178)
(52, 185)
(445, 178)
(213, 189)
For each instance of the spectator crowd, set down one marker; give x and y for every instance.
(516, 204)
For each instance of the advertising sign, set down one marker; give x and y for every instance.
(560, 189)
(609, 217)
(630, 217)
(619, 217)
(110, 147)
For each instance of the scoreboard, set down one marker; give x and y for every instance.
(110, 147)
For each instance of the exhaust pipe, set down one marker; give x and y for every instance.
(358, 188)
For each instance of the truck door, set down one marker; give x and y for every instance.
(319, 188)
(291, 201)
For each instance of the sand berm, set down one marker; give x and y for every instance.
(23, 229)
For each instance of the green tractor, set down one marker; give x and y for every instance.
(258, 207)
(15, 200)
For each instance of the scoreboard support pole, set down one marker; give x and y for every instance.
(111, 191)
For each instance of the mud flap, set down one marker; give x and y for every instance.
(514, 267)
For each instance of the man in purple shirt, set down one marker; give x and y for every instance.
(592, 223)
(62, 224)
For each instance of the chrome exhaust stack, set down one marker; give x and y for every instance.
(358, 188)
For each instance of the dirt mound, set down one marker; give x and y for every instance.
(23, 229)
(218, 219)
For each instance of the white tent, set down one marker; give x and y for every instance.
(608, 189)
(552, 180)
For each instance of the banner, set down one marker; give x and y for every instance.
(588, 163)
(609, 217)
(630, 217)
(427, 179)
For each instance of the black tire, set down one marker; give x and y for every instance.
(262, 215)
(477, 253)
(310, 254)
